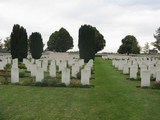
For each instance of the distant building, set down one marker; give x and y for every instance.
(153, 51)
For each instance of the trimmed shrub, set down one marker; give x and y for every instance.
(52, 82)
(27, 81)
(22, 73)
(156, 85)
(21, 66)
(75, 83)
(40, 84)
(4, 81)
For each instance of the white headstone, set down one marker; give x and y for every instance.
(116, 64)
(66, 76)
(89, 70)
(152, 71)
(142, 68)
(33, 69)
(8, 60)
(113, 62)
(2, 65)
(32, 61)
(71, 62)
(158, 66)
(133, 72)
(52, 70)
(39, 74)
(121, 65)
(24, 60)
(62, 65)
(14, 75)
(38, 63)
(45, 66)
(145, 80)
(126, 69)
(28, 65)
(81, 62)
(84, 77)
(90, 63)
(15, 63)
(75, 70)
(158, 75)
(53, 62)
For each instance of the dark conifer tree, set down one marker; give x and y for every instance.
(36, 45)
(19, 44)
(86, 42)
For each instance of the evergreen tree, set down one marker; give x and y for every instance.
(19, 44)
(36, 45)
(99, 41)
(7, 44)
(60, 41)
(146, 48)
(157, 37)
(86, 42)
(129, 45)
(1, 44)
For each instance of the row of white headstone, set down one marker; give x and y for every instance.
(4, 61)
(38, 67)
(148, 67)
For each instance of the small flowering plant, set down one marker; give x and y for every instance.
(156, 84)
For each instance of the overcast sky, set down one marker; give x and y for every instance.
(113, 18)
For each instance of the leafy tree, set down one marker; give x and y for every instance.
(36, 45)
(60, 41)
(129, 45)
(1, 44)
(99, 41)
(146, 48)
(7, 43)
(157, 37)
(86, 42)
(19, 45)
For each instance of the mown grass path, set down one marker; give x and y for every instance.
(113, 98)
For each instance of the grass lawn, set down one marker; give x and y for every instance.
(113, 98)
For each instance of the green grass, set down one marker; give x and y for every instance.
(113, 98)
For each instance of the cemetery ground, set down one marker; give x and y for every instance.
(114, 97)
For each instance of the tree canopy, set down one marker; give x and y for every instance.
(157, 37)
(146, 48)
(19, 44)
(36, 45)
(99, 41)
(7, 44)
(1, 44)
(60, 41)
(129, 45)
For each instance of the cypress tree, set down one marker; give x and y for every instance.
(19, 44)
(86, 42)
(36, 45)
